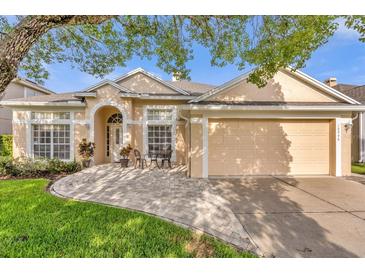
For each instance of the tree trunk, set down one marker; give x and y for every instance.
(15, 45)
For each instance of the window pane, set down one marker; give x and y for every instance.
(159, 114)
(50, 115)
(161, 139)
(47, 136)
(61, 145)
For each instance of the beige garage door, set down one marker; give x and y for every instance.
(262, 147)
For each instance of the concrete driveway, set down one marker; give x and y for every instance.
(274, 216)
(299, 217)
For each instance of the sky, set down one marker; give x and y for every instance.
(342, 57)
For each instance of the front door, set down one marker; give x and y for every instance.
(115, 141)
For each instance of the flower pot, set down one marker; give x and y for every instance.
(124, 162)
(86, 163)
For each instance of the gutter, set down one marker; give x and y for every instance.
(361, 137)
(43, 104)
(355, 108)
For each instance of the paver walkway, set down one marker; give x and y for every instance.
(165, 193)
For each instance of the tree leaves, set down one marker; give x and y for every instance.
(266, 42)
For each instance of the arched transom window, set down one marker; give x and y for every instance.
(116, 118)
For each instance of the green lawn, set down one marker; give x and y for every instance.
(358, 168)
(34, 223)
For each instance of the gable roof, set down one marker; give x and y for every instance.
(107, 82)
(326, 89)
(31, 84)
(154, 77)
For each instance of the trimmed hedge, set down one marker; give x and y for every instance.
(6, 145)
(38, 168)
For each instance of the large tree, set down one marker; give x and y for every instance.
(97, 44)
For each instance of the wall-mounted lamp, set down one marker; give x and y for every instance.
(348, 126)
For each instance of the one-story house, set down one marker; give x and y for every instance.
(295, 125)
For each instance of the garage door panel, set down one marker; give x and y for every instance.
(268, 147)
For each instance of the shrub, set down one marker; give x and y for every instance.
(36, 168)
(6, 145)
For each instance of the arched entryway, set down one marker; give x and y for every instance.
(108, 134)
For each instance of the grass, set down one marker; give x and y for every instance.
(34, 223)
(358, 168)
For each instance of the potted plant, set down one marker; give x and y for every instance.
(124, 152)
(86, 151)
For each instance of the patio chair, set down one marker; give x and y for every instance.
(139, 159)
(153, 155)
(166, 157)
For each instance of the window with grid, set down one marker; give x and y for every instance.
(159, 137)
(51, 115)
(159, 114)
(51, 141)
(61, 141)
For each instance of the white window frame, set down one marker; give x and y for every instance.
(69, 122)
(171, 123)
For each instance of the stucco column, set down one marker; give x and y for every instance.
(196, 149)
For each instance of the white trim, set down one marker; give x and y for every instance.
(146, 96)
(28, 128)
(29, 138)
(72, 136)
(85, 94)
(109, 102)
(50, 121)
(172, 122)
(151, 75)
(205, 147)
(269, 115)
(53, 104)
(339, 123)
(25, 91)
(297, 73)
(338, 148)
(356, 108)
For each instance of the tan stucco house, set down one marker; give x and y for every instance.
(295, 125)
(18, 88)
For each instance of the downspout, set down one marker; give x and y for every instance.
(187, 124)
(361, 142)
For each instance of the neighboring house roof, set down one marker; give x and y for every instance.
(343, 87)
(355, 92)
(301, 75)
(33, 85)
(60, 97)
